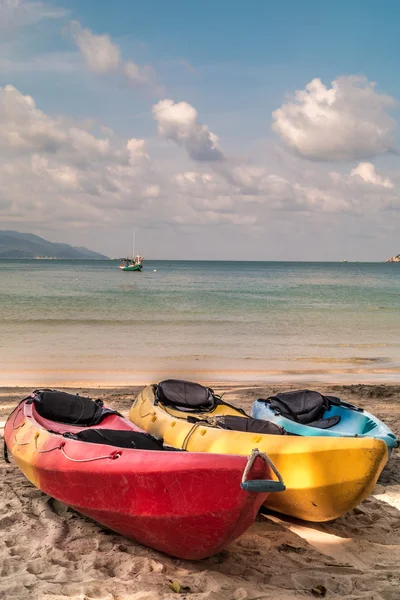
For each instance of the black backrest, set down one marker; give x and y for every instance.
(69, 408)
(186, 395)
(249, 425)
(302, 406)
(121, 439)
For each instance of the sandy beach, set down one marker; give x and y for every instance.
(49, 552)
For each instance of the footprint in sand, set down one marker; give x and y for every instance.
(97, 592)
(8, 520)
(340, 584)
(11, 566)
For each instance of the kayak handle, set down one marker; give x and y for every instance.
(261, 485)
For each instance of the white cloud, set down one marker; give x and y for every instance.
(64, 175)
(136, 149)
(321, 200)
(196, 184)
(100, 53)
(280, 193)
(212, 217)
(20, 13)
(192, 177)
(25, 129)
(348, 121)
(55, 169)
(151, 191)
(233, 184)
(138, 75)
(103, 56)
(368, 174)
(249, 179)
(178, 122)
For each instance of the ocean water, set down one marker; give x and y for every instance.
(87, 321)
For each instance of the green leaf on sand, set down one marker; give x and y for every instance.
(177, 587)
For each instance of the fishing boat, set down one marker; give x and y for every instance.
(132, 264)
(88, 456)
(324, 476)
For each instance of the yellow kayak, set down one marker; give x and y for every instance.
(324, 477)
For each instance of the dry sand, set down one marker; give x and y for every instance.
(49, 552)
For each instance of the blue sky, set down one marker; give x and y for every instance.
(234, 63)
(247, 55)
(337, 35)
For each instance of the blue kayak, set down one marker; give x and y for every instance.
(306, 412)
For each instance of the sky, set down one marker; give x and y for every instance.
(218, 130)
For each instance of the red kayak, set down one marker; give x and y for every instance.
(188, 505)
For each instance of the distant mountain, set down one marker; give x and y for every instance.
(26, 245)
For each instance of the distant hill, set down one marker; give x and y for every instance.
(26, 245)
(394, 258)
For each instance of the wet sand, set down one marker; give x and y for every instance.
(49, 552)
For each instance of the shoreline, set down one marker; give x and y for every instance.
(119, 378)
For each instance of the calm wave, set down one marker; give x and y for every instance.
(205, 317)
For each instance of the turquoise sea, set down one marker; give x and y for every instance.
(87, 321)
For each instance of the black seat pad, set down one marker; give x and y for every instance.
(69, 408)
(325, 423)
(249, 425)
(186, 395)
(121, 439)
(304, 406)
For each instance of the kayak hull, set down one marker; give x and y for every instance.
(186, 505)
(324, 477)
(352, 424)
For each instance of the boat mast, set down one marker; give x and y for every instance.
(133, 245)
